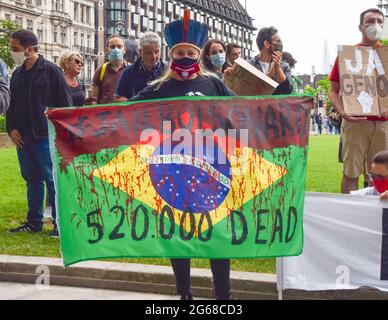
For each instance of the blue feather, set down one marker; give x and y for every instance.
(197, 34)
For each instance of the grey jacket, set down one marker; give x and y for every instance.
(284, 87)
(4, 96)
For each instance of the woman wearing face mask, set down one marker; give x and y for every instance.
(186, 77)
(71, 63)
(214, 57)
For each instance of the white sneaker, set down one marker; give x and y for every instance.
(47, 213)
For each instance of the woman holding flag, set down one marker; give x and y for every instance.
(185, 77)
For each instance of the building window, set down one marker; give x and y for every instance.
(88, 44)
(82, 13)
(19, 20)
(88, 15)
(117, 21)
(55, 35)
(75, 39)
(76, 11)
(40, 35)
(135, 19)
(169, 7)
(63, 35)
(82, 40)
(30, 25)
(55, 5)
(89, 71)
(144, 24)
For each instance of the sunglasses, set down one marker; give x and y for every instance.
(78, 62)
(377, 177)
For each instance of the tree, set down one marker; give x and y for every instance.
(309, 90)
(384, 42)
(324, 87)
(6, 28)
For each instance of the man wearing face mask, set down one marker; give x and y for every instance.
(35, 85)
(270, 61)
(362, 137)
(147, 68)
(106, 77)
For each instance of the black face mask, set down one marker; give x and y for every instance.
(278, 46)
(185, 62)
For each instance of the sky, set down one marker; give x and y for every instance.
(304, 25)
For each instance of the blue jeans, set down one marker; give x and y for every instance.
(36, 168)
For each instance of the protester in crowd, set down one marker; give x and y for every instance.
(147, 68)
(362, 137)
(131, 50)
(378, 177)
(233, 52)
(287, 57)
(320, 122)
(213, 57)
(107, 76)
(329, 126)
(35, 85)
(186, 77)
(270, 60)
(296, 81)
(71, 63)
(3, 70)
(4, 96)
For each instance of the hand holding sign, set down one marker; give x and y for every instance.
(364, 86)
(245, 80)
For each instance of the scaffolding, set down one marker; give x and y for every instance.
(383, 6)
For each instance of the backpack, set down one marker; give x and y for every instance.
(103, 70)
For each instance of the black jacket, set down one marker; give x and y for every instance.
(48, 88)
(4, 96)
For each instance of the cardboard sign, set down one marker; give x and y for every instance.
(363, 80)
(249, 81)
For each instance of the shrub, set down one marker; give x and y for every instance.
(2, 124)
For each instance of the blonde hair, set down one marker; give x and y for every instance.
(66, 56)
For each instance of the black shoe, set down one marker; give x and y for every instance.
(188, 296)
(54, 233)
(26, 227)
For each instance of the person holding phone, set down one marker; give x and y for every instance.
(270, 59)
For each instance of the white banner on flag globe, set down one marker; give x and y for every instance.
(345, 245)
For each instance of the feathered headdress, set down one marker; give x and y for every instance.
(186, 31)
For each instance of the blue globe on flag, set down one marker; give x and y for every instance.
(189, 183)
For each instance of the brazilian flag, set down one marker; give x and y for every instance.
(200, 177)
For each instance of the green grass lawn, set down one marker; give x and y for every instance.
(324, 174)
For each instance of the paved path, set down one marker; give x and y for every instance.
(18, 291)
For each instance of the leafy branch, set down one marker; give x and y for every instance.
(6, 29)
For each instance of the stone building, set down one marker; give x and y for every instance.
(59, 25)
(227, 19)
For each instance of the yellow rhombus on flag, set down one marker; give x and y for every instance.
(251, 174)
